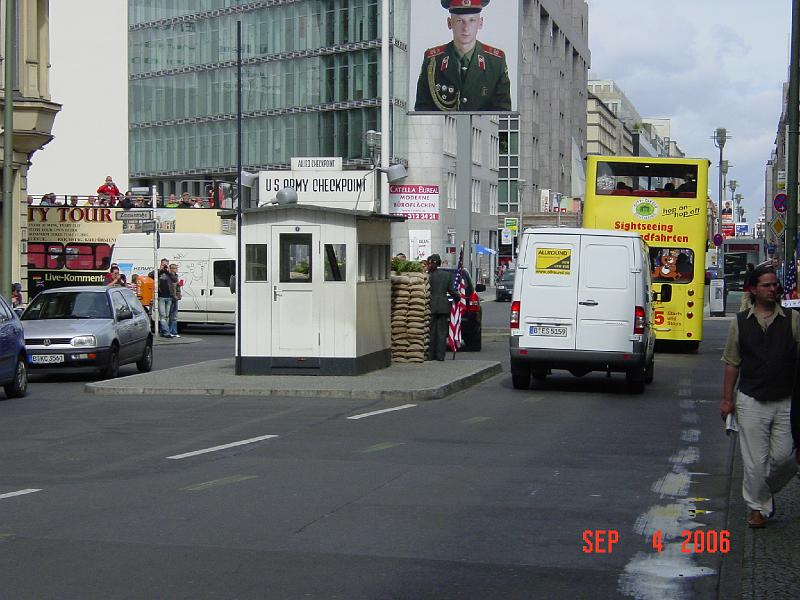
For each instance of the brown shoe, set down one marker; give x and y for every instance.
(756, 520)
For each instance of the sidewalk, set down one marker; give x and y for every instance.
(399, 382)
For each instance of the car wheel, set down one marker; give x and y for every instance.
(634, 381)
(649, 371)
(520, 374)
(145, 364)
(112, 370)
(19, 386)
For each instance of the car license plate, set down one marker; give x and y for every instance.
(545, 331)
(47, 359)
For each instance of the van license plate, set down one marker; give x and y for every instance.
(545, 331)
(47, 359)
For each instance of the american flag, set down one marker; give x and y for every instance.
(790, 282)
(454, 339)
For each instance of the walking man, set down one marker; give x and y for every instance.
(760, 352)
(441, 287)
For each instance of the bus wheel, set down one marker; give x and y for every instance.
(692, 346)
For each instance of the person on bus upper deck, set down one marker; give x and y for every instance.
(690, 185)
(110, 189)
(464, 74)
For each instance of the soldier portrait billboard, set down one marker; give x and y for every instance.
(463, 56)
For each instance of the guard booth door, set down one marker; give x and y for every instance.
(296, 291)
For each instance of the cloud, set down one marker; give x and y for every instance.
(704, 64)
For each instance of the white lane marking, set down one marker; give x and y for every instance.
(385, 410)
(19, 493)
(223, 447)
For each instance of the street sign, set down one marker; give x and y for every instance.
(148, 226)
(771, 248)
(780, 202)
(718, 239)
(134, 215)
(506, 236)
(511, 223)
(778, 226)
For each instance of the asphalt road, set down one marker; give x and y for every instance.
(485, 494)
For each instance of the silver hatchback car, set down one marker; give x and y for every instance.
(81, 327)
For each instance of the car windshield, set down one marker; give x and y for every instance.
(68, 305)
(508, 277)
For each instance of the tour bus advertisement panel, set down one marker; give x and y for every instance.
(463, 56)
(71, 245)
(659, 199)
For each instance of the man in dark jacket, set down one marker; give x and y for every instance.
(441, 287)
(761, 352)
(165, 293)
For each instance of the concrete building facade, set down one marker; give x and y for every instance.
(606, 134)
(34, 112)
(538, 148)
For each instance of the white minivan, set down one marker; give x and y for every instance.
(582, 302)
(206, 263)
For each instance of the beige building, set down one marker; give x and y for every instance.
(34, 111)
(606, 134)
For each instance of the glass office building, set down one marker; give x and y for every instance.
(310, 85)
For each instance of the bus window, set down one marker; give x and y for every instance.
(672, 265)
(55, 256)
(646, 179)
(79, 257)
(36, 256)
(102, 256)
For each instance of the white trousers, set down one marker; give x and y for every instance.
(765, 436)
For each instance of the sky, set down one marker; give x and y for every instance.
(89, 77)
(702, 63)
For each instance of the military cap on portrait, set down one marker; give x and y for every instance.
(463, 7)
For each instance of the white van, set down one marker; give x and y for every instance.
(582, 302)
(205, 262)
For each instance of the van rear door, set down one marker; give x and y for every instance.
(548, 291)
(606, 294)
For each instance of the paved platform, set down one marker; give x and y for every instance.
(401, 381)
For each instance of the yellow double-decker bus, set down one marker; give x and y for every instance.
(665, 200)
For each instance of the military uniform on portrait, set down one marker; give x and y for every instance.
(468, 76)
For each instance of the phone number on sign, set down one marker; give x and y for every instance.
(419, 216)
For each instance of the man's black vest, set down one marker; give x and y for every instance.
(768, 357)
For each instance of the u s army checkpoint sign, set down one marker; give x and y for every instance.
(553, 261)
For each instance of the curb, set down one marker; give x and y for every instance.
(420, 394)
(159, 341)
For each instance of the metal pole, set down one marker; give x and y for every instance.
(721, 190)
(386, 97)
(790, 236)
(239, 286)
(8, 152)
(464, 186)
(518, 237)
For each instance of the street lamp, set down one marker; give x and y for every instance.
(720, 137)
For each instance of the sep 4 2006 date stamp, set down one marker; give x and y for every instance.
(698, 541)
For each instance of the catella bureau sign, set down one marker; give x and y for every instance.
(419, 202)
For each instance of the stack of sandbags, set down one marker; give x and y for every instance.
(410, 317)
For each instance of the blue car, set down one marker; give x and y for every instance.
(13, 358)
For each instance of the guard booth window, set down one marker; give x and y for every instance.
(335, 262)
(295, 258)
(255, 262)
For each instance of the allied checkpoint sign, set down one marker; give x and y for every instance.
(351, 190)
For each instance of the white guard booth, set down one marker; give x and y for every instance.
(315, 291)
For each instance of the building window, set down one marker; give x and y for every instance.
(475, 196)
(451, 190)
(335, 262)
(373, 262)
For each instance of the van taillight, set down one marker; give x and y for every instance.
(515, 314)
(638, 320)
(473, 303)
